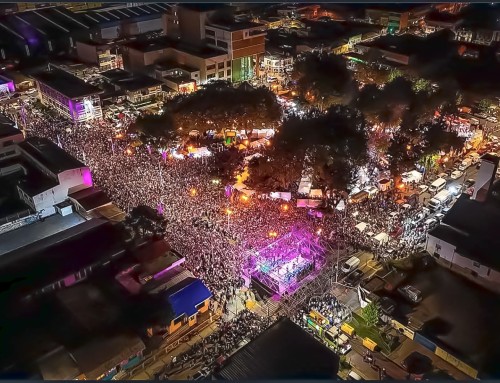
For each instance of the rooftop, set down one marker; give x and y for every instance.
(457, 315)
(236, 26)
(68, 85)
(90, 198)
(472, 227)
(283, 351)
(165, 43)
(50, 155)
(7, 127)
(130, 81)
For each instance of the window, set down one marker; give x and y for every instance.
(178, 320)
(210, 40)
(476, 264)
(220, 66)
(228, 63)
(221, 74)
(222, 44)
(211, 67)
(211, 76)
(438, 249)
(228, 72)
(209, 32)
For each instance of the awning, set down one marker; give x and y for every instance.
(316, 193)
(361, 226)
(381, 238)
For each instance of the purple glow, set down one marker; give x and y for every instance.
(72, 109)
(11, 86)
(149, 149)
(175, 264)
(160, 209)
(87, 177)
(164, 155)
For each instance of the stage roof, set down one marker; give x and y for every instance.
(283, 351)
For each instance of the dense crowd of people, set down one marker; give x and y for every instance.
(213, 225)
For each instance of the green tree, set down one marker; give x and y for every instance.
(484, 105)
(323, 79)
(153, 125)
(394, 74)
(371, 314)
(422, 85)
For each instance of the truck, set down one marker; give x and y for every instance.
(439, 200)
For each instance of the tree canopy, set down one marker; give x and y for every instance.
(334, 144)
(219, 105)
(153, 125)
(323, 79)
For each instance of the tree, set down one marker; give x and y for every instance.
(335, 143)
(219, 106)
(422, 85)
(371, 314)
(394, 74)
(484, 105)
(323, 79)
(153, 125)
(145, 221)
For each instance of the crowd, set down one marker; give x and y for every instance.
(213, 228)
(229, 336)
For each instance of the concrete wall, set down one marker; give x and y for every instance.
(87, 53)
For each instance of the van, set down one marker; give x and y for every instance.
(359, 197)
(465, 164)
(350, 265)
(437, 185)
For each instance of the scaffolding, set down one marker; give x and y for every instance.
(286, 263)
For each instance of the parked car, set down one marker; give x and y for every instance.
(354, 278)
(492, 119)
(439, 216)
(422, 189)
(387, 305)
(456, 174)
(482, 115)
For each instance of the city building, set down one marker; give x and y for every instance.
(103, 55)
(283, 351)
(396, 20)
(453, 324)
(68, 95)
(277, 65)
(158, 273)
(138, 88)
(393, 50)
(436, 21)
(464, 239)
(179, 78)
(243, 41)
(9, 135)
(123, 22)
(142, 56)
(21, 82)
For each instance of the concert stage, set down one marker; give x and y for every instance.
(283, 265)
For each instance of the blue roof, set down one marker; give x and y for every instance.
(184, 300)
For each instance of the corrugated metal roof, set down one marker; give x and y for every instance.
(186, 295)
(283, 351)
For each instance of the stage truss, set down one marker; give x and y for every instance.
(286, 263)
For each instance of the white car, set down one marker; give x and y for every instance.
(492, 119)
(422, 189)
(455, 175)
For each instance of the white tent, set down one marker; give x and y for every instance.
(381, 238)
(201, 152)
(304, 186)
(258, 143)
(361, 226)
(285, 196)
(341, 205)
(316, 193)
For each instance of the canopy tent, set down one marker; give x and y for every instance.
(304, 186)
(285, 196)
(361, 226)
(242, 188)
(316, 193)
(308, 203)
(341, 205)
(381, 238)
(200, 152)
(258, 143)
